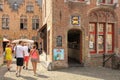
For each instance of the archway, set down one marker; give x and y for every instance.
(74, 47)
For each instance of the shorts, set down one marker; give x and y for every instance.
(26, 58)
(19, 61)
(34, 60)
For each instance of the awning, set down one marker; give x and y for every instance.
(24, 40)
(42, 28)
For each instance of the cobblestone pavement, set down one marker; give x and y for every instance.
(73, 73)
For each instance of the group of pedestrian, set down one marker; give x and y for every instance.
(22, 55)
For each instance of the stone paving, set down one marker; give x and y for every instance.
(72, 73)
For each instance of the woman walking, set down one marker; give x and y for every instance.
(8, 56)
(26, 57)
(34, 58)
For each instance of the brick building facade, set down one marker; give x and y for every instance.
(82, 30)
(20, 19)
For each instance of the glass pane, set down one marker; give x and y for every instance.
(101, 42)
(25, 26)
(25, 20)
(31, 8)
(101, 27)
(4, 25)
(92, 42)
(109, 42)
(33, 20)
(33, 26)
(92, 27)
(109, 27)
(21, 20)
(4, 20)
(37, 20)
(37, 25)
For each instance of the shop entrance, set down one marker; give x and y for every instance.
(74, 47)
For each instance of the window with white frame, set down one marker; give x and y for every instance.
(23, 22)
(29, 8)
(35, 22)
(15, 6)
(5, 22)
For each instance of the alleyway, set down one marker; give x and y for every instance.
(73, 73)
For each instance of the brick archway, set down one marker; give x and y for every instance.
(74, 46)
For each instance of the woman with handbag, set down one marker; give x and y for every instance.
(34, 58)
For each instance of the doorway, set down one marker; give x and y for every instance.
(74, 47)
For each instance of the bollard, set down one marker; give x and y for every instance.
(49, 66)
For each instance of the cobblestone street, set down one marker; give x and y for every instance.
(73, 73)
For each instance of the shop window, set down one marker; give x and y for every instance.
(101, 37)
(109, 37)
(23, 22)
(5, 22)
(35, 22)
(101, 34)
(92, 37)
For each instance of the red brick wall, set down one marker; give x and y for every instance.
(14, 24)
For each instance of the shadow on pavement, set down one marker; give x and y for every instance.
(93, 72)
(6, 78)
(42, 76)
(27, 77)
(12, 70)
(30, 69)
(3, 70)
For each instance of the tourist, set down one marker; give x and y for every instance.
(26, 57)
(8, 55)
(19, 52)
(34, 58)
